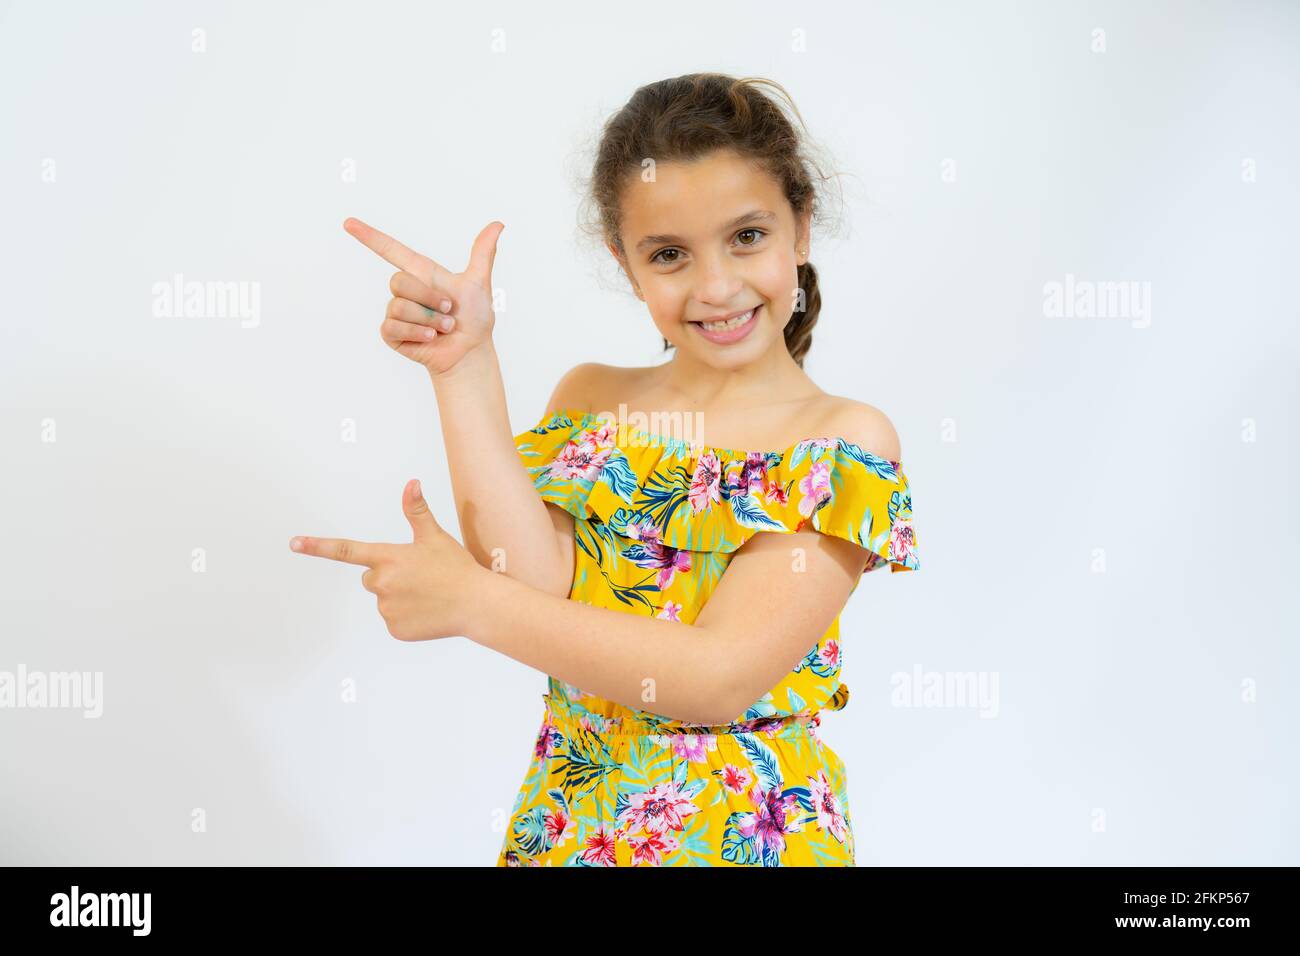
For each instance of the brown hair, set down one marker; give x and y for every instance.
(687, 117)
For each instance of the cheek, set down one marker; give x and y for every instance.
(666, 308)
(776, 278)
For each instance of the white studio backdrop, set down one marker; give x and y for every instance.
(1105, 502)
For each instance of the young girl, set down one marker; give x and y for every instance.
(689, 656)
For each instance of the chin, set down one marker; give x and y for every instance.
(742, 353)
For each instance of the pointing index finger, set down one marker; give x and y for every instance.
(389, 249)
(339, 549)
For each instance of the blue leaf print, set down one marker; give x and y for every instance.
(556, 794)
(748, 512)
(900, 505)
(797, 703)
(766, 766)
(765, 706)
(690, 789)
(637, 554)
(680, 768)
(530, 831)
(880, 466)
(618, 474)
(737, 848)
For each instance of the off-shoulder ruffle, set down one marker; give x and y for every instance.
(662, 490)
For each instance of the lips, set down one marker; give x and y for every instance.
(728, 336)
(725, 317)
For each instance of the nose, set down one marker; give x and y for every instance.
(719, 281)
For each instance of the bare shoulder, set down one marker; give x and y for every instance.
(605, 386)
(863, 425)
(582, 386)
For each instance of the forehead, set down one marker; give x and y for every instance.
(693, 199)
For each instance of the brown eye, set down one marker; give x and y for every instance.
(655, 257)
(757, 234)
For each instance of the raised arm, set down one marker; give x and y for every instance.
(496, 502)
(443, 321)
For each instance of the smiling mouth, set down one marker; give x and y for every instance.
(734, 322)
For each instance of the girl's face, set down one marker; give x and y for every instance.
(710, 239)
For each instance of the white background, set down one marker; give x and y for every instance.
(1127, 731)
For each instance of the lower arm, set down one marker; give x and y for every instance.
(666, 667)
(503, 521)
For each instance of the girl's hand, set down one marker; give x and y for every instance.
(426, 589)
(436, 317)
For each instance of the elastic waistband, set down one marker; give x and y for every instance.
(563, 714)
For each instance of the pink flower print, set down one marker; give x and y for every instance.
(693, 747)
(604, 435)
(655, 554)
(775, 817)
(580, 459)
(830, 815)
(704, 484)
(830, 652)
(559, 826)
(547, 740)
(815, 488)
(902, 540)
(658, 809)
(736, 779)
(680, 561)
(753, 475)
(651, 848)
(600, 848)
(670, 611)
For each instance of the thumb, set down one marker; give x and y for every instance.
(423, 523)
(484, 254)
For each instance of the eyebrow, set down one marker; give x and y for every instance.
(757, 215)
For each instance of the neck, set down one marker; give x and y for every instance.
(775, 375)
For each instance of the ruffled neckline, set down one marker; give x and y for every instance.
(663, 491)
(684, 449)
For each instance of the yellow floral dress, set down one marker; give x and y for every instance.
(656, 521)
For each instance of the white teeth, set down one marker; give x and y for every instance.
(729, 324)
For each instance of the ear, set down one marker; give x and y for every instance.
(803, 228)
(613, 251)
